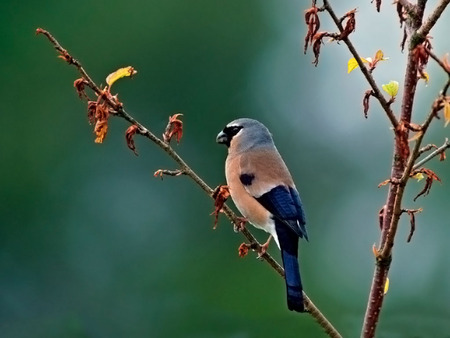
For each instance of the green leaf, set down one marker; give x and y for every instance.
(391, 88)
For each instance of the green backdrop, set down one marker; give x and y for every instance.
(92, 245)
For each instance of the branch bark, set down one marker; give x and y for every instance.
(186, 170)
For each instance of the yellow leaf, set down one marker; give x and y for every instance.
(447, 111)
(120, 73)
(379, 55)
(353, 64)
(391, 88)
(426, 77)
(386, 285)
(418, 177)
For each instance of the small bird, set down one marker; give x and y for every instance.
(264, 192)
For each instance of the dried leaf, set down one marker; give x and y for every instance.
(442, 156)
(313, 23)
(120, 73)
(100, 130)
(174, 127)
(350, 24)
(430, 178)
(220, 195)
(79, 85)
(243, 250)
(366, 98)
(391, 88)
(129, 136)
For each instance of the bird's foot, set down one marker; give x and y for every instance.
(240, 224)
(263, 248)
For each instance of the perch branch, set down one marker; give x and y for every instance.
(186, 170)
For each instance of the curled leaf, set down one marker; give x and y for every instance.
(243, 250)
(100, 130)
(391, 88)
(366, 98)
(220, 195)
(79, 85)
(313, 23)
(129, 136)
(174, 127)
(120, 73)
(442, 156)
(430, 178)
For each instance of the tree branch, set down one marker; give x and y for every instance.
(423, 31)
(186, 170)
(376, 91)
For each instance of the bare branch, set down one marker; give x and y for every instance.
(426, 27)
(432, 155)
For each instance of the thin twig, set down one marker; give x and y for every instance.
(435, 153)
(423, 31)
(186, 170)
(439, 62)
(377, 93)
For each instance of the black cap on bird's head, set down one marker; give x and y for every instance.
(248, 132)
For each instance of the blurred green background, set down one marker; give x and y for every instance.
(92, 245)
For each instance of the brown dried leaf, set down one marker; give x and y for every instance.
(129, 136)
(79, 85)
(313, 24)
(366, 98)
(174, 127)
(243, 250)
(220, 195)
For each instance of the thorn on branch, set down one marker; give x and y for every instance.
(162, 172)
(220, 195)
(174, 128)
(412, 221)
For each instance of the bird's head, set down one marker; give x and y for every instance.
(244, 134)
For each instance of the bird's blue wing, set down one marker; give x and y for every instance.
(285, 204)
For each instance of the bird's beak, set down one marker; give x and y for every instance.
(222, 138)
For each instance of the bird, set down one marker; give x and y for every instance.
(264, 192)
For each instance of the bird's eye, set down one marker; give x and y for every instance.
(232, 130)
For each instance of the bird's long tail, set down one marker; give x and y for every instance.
(289, 253)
